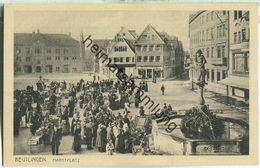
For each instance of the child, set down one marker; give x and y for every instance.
(110, 147)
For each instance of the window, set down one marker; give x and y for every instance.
(151, 58)
(212, 52)
(235, 37)
(219, 52)
(28, 59)
(19, 59)
(133, 59)
(65, 51)
(243, 34)
(127, 59)
(144, 48)
(18, 50)
(116, 60)
(239, 36)
(57, 69)
(224, 30)
(240, 62)
(235, 15)
(48, 58)
(239, 14)
(138, 48)
(120, 49)
(121, 59)
(211, 33)
(218, 76)
(74, 58)
(223, 74)
(246, 61)
(37, 50)
(139, 59)
(207, 52)
(57, 51)
(57, 58)
(157, 58)
(28, 51)
(207, 34)
(223, 51)
(74, 69)
(66, 58)
(145, 58)
(158, 47)
(48, 51)
(151, 48)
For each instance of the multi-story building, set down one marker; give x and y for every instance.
(121, 51)
(238, 72)
(158, 55)
(46, 53)
(208, 31)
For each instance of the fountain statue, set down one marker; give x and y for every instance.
(200, 62)
(199, 122)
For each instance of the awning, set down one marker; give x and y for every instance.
(236, 81)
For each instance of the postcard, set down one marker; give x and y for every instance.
(130, 84)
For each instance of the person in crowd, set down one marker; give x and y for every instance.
(162, 89)
(141, 111)
(101, 138)
(74, 122)
(65, 122)
(56, 138)
(77, 138)
(110, 148)
(88, 133)
(119, 142)
(110, 133)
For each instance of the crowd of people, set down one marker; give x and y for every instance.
(84, 110)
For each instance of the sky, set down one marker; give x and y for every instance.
(103, 24)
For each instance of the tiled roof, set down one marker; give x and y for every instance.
(47, 39)
(103, 43)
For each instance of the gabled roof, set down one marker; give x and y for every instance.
(149, 30)
(47, 39)
(102, 43)
(133, 33)
(128, 42)
(127, 34)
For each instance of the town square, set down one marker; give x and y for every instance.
(138, 87)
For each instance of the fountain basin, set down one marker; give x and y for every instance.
(234, 140)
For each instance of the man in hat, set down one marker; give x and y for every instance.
(56, 137)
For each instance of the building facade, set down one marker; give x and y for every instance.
(121, 51)
(209, 32)
(46, 53)
(237, 82)
(158, 55)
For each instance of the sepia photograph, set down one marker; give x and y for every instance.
(130, 83)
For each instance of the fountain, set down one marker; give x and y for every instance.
(200, 131)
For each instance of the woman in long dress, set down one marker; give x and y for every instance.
(65, 125)
(77, 138)
(101, 138)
